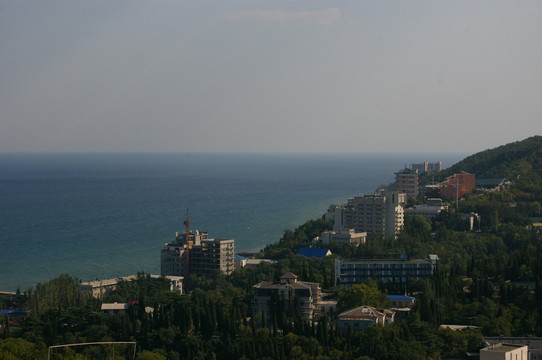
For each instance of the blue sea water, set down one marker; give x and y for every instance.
(97, 215)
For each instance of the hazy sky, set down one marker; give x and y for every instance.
(267, 76)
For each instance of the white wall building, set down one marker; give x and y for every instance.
(426, 211)
(504, 352)
(343, 237)
(378, 213)
(98, 288)
(427, 167)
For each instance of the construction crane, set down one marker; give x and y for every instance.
(188, 243)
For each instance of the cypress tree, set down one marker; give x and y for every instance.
(5, 332)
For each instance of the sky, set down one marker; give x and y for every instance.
(269, 76)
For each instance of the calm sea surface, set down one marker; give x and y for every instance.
(103, 215)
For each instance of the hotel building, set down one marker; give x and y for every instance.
(349, 272)
(198, 254)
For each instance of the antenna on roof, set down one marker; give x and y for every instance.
(187, 224)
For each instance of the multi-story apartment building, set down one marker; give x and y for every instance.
(197, 254)
(290, 292)
(349, 272)
(379, 213)
(407, 182)
(427, 167)
(457, 185)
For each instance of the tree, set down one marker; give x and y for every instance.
(148, 355)
(366, 293)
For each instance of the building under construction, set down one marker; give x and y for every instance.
(195, 253)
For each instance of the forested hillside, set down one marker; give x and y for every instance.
(519, 161)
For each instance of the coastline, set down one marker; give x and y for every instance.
(106, 217)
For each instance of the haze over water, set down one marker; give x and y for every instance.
(104, 215)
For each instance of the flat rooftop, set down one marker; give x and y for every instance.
(502, 347)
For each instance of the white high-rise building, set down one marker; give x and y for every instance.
(427, 167)
(379, 213)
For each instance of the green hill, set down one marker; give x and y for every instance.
(520, 161)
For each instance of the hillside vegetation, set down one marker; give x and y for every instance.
(520, 162)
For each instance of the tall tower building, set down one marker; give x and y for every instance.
(196, 253)
(407, 182)
(378, 213)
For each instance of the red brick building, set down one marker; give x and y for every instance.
(457, 185)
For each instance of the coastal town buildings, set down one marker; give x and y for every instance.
(362, 317)
(378, 213)
(406, 181)
(121, 309)
(427, 167)
(457, 185)
(98, 288)
(114, 309)
(534, 344)
(402, 305)
(327, 307)
(402, 301)
(342, 237)
(318, 253)
(15, 317)
(196, 253)
(495, 184)
(291, 292)
(504, 352)
(427, 211)
(349, 272)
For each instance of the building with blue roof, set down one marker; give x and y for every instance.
(402, 301)
(319, 253)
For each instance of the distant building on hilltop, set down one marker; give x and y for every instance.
(196, 253)
(427, 167)
(379, 213)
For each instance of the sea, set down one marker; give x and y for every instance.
(102, 215)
